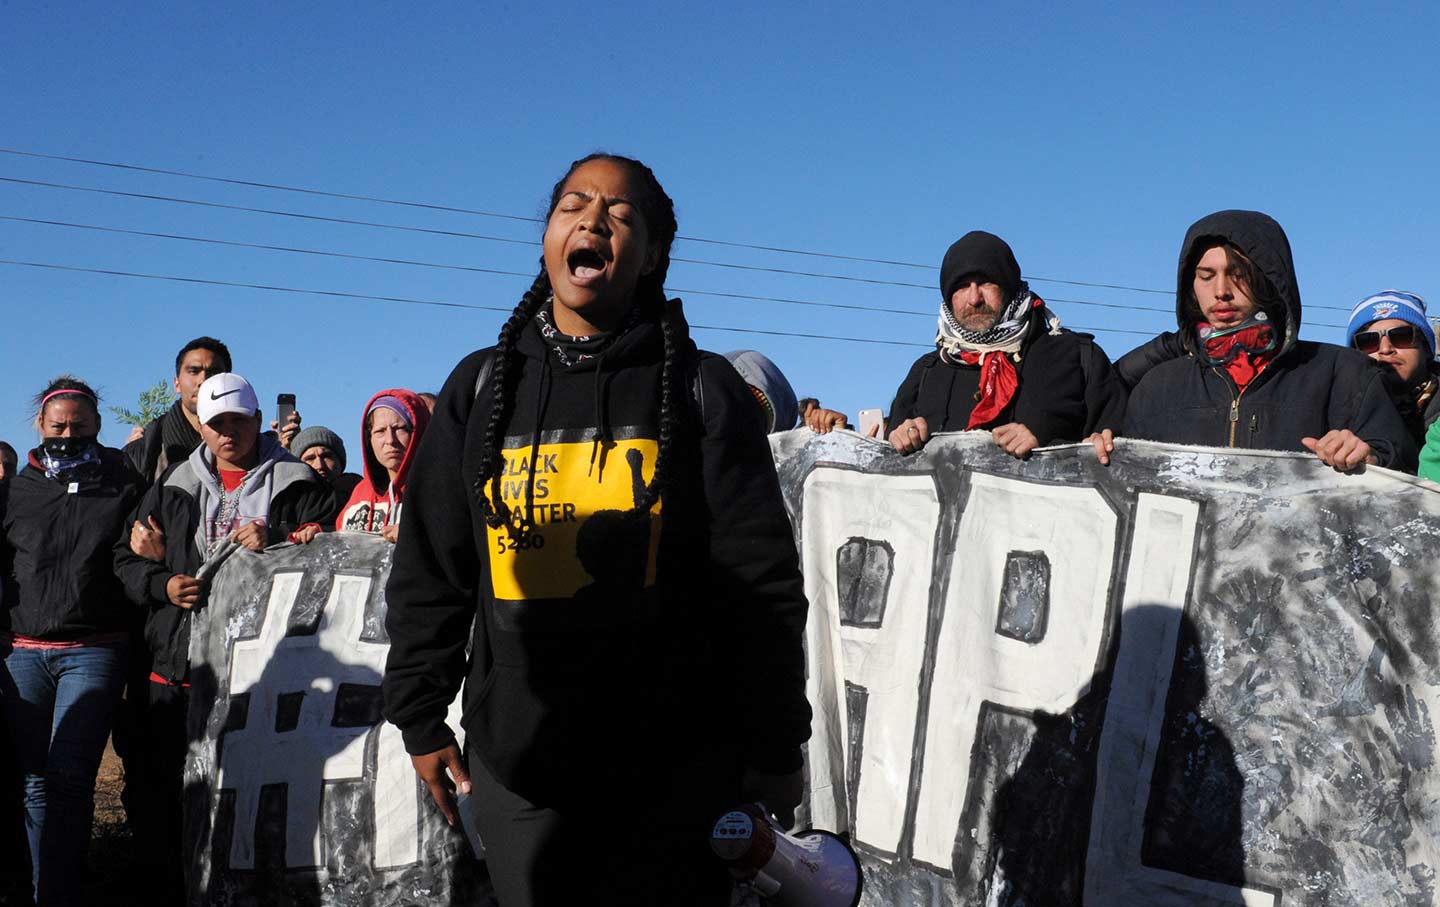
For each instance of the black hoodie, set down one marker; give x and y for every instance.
(606, 647)
(1307, 390)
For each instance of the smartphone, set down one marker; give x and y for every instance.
(284, 408)
(872, 423)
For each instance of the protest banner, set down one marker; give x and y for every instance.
(297, 792)
(1194, 677)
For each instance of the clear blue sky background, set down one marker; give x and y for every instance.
(1088, 136)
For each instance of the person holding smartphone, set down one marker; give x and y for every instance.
(595, 513)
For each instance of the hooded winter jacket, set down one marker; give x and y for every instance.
(1307, 390)
(55, 551)
(1067, 389)
(376, 501)
(178, 504)
(607, 644)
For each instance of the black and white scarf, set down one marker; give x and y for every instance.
(1005, 336)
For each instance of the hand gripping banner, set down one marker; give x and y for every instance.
(297, 793)
(1195, 677)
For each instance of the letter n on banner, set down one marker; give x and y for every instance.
(869, 554)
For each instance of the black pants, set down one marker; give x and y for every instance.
(650, 849)
(158, 820)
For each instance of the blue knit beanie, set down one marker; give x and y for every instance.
(1395, 304)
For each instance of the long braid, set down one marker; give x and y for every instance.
(492, 505)
(670, 400)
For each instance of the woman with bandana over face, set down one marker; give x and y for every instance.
(68, 625)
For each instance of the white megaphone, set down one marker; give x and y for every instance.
(807, 869)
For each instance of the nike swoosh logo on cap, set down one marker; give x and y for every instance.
(215, 396)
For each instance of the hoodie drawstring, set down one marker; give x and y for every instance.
(601, 441)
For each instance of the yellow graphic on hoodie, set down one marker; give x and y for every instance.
(581, 532)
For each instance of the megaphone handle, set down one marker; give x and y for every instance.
(765, 885)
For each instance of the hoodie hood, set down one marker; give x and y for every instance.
(376, 478)
(1264, 242)
(770, 387)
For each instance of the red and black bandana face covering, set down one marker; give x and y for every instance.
(1243, 350)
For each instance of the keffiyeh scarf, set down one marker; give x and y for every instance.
(995, 350)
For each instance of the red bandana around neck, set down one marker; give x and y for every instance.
(1235, 352)
(998, 381)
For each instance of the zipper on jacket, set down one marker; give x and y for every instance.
(1235, 406)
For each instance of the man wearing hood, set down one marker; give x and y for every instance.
(1246, 379)
(1002, 362)
(390, 432)
(239, 485)
(771, 388)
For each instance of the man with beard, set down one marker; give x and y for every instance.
(1002, 363)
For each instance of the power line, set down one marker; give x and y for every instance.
(514, 217)
(528, 242)
(275, 212)
(205, 281)
(469, 268)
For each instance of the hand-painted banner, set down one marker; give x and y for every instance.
(297, 793)
(1194, 677)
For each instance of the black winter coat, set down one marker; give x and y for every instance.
(1307, 390)
(606, 644)
(55, 552)
(297, 498)
(1067, 390)
(1310, 390)
(167, 440)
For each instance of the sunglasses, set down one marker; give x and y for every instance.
(1402, 338)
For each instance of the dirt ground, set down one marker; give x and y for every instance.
(110, 881)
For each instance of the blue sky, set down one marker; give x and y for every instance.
(1088, 136)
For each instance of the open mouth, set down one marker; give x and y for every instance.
(586, 264)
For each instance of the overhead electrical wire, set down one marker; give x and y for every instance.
(280, 187)
(206, 281)
(510, 240)
(470, 268)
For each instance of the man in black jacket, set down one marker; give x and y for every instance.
(170, 438)
(1245, 379)
(1002, 362)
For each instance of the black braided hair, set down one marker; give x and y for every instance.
(492, 505)
(82, 390)
(658, 209)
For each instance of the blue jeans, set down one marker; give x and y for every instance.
(59, 705)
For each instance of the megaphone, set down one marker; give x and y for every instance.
(807, 869)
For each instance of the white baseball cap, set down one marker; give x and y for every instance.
(226, 392)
